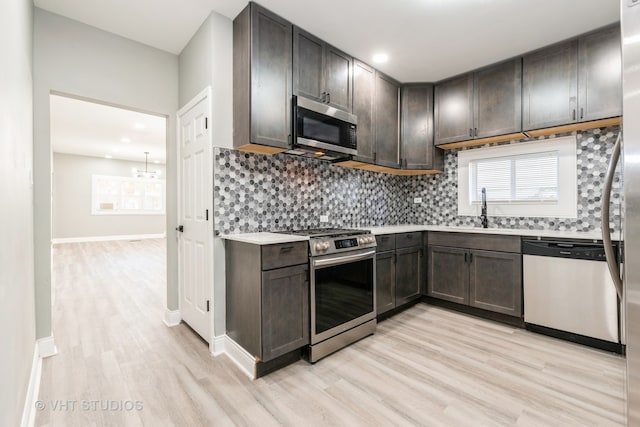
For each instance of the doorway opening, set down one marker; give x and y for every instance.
(108, 219)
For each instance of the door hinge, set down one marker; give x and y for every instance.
(206, 214)
(206, 122)
(207, 306)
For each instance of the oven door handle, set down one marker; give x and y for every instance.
(342, 259)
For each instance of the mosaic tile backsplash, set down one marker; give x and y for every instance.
(254, 192)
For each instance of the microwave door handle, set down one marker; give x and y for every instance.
(343, 259)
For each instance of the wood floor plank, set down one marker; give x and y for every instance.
(425, 366)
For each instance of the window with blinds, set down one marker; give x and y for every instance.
(518, 178)
(528, 179)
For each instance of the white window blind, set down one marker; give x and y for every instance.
(121, 195)
(517, 178)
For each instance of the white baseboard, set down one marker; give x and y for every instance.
(217, 345)
(107, 238)
(33, 389)
(171, 317)
(46, 347)
(244, 360)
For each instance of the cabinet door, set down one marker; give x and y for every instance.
(448, 274)
(363, 107)
(600, 75)
(495, 282)
(418, 151)
(498, 99)
(338, 75)
(409, 274)
(387, 121)
(385, 281)
(285, 310)
(270, 79)
(308, 65)
(454, 110)
(549, 92)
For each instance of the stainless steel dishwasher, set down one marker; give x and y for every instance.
(569, 294)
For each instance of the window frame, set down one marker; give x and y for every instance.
(94, 194)
(565, 207)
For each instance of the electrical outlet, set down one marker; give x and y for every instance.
(324, 218)
(417, 200)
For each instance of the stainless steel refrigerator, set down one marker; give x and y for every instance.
(630, 21)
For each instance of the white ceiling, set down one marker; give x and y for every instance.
(90, 129)
(426, 40)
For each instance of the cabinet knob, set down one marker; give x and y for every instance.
(475, 131)
(574, 114)
(581, 113)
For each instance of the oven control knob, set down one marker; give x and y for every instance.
(361, 241)
(325, 245)
(319, 246)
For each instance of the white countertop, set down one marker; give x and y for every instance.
(393, 229)
(264, 238)
(274, 238)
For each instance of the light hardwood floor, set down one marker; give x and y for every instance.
(426, 366)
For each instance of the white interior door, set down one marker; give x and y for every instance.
(195, 214)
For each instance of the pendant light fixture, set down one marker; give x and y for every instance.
(146, 173)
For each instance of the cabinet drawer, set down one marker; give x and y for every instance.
(407, 240)
(489, 242)
(385, 242)
(284, 254)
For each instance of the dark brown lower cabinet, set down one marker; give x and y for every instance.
(400, 270)
(495, 281)
(409, 274)
(489, 280)
(385, 281)
(267, 297)
(448, 274)
(285, 310)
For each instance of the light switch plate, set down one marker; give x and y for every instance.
(324, 218)
(417, 200)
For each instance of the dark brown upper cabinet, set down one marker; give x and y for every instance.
(262, 88)
(321, 72)
(576, 81)
(453, 113)
(364, 89)
(600, 75)
(481, 104)
(416, 137)
(550, 87)
(387, 121)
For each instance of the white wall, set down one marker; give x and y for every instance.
(72, 182)
(207, 60)
(17, 318)
(78, 60)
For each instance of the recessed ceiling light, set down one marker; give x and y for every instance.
(379, 58)
(139, 126)
(126, 140)
(108, 156)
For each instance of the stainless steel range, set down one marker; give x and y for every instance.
(342, 279)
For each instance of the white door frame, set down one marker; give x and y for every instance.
(206, 95)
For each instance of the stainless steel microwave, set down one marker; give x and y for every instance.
(322, 127)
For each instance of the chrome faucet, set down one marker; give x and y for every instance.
(483, 216)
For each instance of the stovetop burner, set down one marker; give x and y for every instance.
(325, 232)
